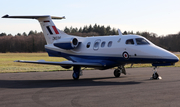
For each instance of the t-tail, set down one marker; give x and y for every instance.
(51, 33)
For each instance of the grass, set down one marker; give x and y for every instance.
(7, 64)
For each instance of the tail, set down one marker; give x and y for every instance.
(51, 33)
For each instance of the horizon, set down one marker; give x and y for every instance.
(129, 32)
(160, 17)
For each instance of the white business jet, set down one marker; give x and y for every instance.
(100, 52)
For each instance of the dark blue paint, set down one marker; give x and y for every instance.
(64, 45)
(109, 62)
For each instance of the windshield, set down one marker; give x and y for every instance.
(141, 41)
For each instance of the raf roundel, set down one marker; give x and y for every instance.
(125, 55)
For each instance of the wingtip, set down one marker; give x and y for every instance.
(5, 16)
(17, 60)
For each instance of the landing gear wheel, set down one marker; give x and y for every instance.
(155, 75)
(117, 73)
(75, 75)
(76, 72)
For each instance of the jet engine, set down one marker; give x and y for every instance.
(67, 43)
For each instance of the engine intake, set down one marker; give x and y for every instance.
(67, 43)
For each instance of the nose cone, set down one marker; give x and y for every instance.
(166, 55)
(157, 54)
(176, 59)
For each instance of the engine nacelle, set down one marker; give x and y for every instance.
(67, 43)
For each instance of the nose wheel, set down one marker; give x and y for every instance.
(155, 75)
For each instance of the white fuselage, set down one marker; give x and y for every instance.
(103, 48)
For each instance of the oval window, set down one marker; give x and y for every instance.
(103, 44)
(88, 44)
(110, 44)
(96, 44)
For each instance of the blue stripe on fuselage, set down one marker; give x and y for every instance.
(109, 61)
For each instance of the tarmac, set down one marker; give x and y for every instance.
(95, 88)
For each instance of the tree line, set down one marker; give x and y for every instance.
(34, 41)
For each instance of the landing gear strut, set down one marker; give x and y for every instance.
(76, 73)
(119, 70)
(155, 74)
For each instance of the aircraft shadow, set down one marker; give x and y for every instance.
(61, 83)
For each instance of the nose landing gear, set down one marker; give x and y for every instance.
(155, 75)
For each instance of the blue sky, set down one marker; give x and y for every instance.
(159, 16)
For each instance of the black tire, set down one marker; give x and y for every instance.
(76, 72)
(155, 75)
(75, 75)
(117, 73)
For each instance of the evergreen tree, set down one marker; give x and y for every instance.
(18, 34)
(66, 30)
(90, 29)
(74, 30)
(95, 28)
(80, 30)
(31, 33)
(102, 31)
(24, 34)
(85, 29)
(108, 30)
(3, 34)
(125, 33)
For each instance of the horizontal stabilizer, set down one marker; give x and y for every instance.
(63, 63)
(33, 17)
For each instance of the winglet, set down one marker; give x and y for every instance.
(120, 33)
(5, 16)
(54, 17)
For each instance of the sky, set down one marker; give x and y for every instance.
(156, 16)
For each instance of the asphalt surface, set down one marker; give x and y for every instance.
(94, 89)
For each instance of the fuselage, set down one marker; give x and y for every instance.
(115, 50)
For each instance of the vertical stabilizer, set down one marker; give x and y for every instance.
(50, 31)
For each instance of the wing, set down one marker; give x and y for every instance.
(63, 63)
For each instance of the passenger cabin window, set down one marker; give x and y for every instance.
(141, 41)
(130, 42)
(103, 44)
(96, 44)
(110, 44)
(88, 44)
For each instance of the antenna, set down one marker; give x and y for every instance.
(120, 33)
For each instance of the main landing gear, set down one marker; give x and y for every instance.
(77, 72)
(119, 70)
(155, 74)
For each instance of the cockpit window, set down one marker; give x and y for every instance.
(130, 41)
(141, 41)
